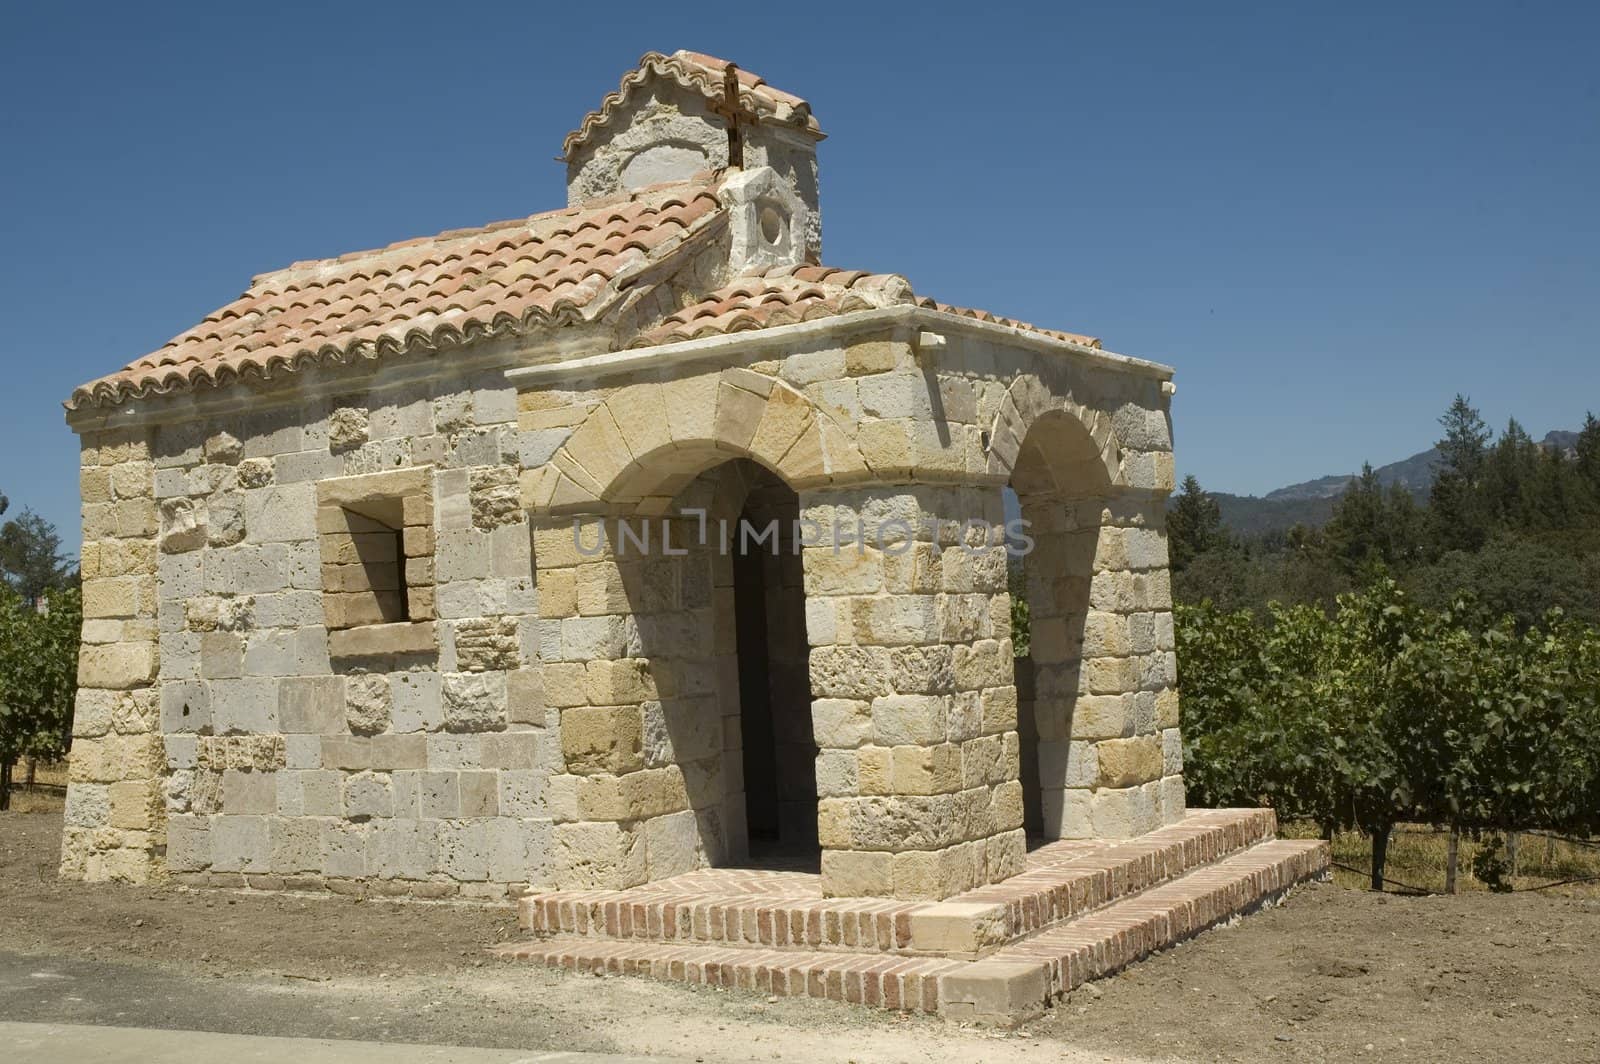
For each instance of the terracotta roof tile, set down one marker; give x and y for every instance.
(1012, 323)
(791, 294)
(703, 74)
(551, 269)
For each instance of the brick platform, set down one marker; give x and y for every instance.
(1083, 909)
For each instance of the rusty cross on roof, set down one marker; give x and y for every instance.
(732, 111)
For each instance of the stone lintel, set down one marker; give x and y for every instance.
(382, 640)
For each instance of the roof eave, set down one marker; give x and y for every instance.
(711, 348)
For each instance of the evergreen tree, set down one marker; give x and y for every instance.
(1355, 533)
(31, 560)
(1557, 498)
(1404, 522)
(1457, 517)
(1194, 525)
(1588, 454)
(1511, 478)
(1373, 530)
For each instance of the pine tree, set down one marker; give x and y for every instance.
(1194, 525)
(31, 559)
(1355, 533)
(1457, 514)
(1373, 528)
(1557, 496)
(1588, 454)
(1510, 479)
(1404, 525)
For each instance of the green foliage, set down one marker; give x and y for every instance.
(38, 676)
(1513, 523)
(31, 559)
(1385, 711)
(1194, 525)
(1456, 505)
(1434, 664)
(1017, 583)
(1490, 867)
(1586, 455)
(1373, 530)
(1516, 575)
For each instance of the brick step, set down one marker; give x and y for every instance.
(907, 984)
(1102, 943)
(1007, 986)
(754, 908)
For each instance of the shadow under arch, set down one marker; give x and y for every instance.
(712, 581)
(1061, 480)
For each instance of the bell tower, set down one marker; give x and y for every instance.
(679, 115)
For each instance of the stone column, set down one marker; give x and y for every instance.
(115, 823)
(914, 706)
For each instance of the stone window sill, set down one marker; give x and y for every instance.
(400, 639)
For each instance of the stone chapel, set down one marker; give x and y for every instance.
(429, 570)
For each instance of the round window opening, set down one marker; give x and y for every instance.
(771, 224)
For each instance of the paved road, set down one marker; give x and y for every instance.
(80, 1010)
(55, 1043)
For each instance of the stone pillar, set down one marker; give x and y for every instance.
(914, 708)
(1100, 611)
(630, 647)
(115, 822)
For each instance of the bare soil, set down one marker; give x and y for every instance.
(1332, 974)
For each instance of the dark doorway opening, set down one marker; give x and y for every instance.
(779, 749)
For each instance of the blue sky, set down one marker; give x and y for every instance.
(1330, 218)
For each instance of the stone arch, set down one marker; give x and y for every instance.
(641, 444)
(1086, 432)
(1064, 464)
(649, 665)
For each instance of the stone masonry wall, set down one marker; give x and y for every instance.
(915, 708)
(934, 423)
(115, 824)
(402, 757)
(538, 714)
(1109, 756)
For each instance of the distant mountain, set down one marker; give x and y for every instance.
(1249, 515)
(1414, 473)
(1311, 502)
(1566, 441)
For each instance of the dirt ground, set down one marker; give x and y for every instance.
(1332, 974)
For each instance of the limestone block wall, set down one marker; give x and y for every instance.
(637, 651)
(915, 708)
(115, 823)
(1105, 707)
(908, 413)
(345, 636)
(292, 740)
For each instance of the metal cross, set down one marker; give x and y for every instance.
(732, 111)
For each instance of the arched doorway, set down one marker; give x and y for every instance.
(1060, 484)
(719, 608)
(779, 752)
